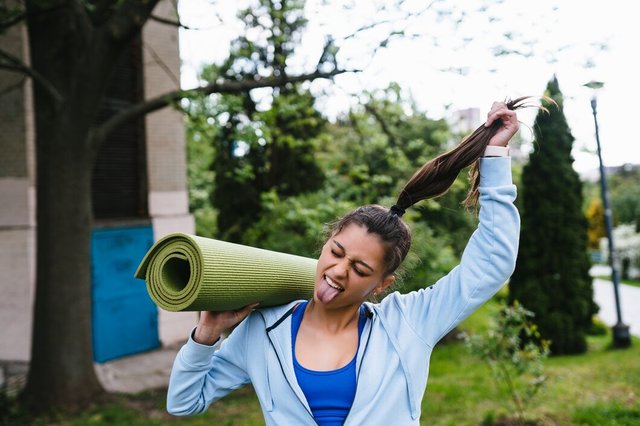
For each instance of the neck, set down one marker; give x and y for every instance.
(333, 320)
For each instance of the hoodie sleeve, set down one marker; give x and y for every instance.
(203, 374)
(487, 262)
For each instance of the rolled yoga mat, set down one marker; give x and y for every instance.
(189, 273)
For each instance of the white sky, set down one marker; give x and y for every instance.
(565, 33)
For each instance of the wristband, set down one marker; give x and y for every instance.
(496, 151)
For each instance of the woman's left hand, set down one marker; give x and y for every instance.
(509, 123)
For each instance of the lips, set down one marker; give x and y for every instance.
(333, 284)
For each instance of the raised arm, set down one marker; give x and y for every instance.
(489, 257)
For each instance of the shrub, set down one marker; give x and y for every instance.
(515, 352)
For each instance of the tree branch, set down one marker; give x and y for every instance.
(158, 60)
(23, 15)
(329, 52)
(393, 141)
(11, 21)
(356, 127)
(12, 63)
(226, 87)
(376, 24)
(99, 12)
(12, 86)
(169, 22)
(333, 46)
(130, 18)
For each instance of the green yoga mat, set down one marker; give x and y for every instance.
(189, 273)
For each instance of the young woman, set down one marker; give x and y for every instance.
(338, 359)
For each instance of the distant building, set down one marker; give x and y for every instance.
(593, 175)
(139, 191)
(464, 121)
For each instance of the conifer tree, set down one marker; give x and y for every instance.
(552, 271)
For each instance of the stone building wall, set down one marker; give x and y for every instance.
(166, 180)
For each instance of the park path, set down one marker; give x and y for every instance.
(603, 295)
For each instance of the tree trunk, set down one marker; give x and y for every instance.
(77, 59)
(61, 373)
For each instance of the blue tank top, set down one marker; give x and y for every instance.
(329, 393)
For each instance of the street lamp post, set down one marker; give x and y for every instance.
(621, 336)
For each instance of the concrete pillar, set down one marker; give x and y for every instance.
(17, 204)
(166, 151)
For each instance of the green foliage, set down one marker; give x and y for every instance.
(257, 149)
(624, 195)
(261, 151)
(616, 414)
(376, 147)
(295, 225)
(200, 154)
(273, 29)
(292, 129)
(598, 327)
(552, 270)
(238, 168)
(515, 352)
(624, 189)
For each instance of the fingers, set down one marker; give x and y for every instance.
(212, 324)
(243, 312)
(224, 319)
(508, 123)
(508, 118)
(498, 111)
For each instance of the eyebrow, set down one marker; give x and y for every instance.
(362, 262)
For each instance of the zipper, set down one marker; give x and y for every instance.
(291, 386)
(364, 351)
(282, 366)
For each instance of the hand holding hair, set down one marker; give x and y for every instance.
(436, 177)
(506, 122)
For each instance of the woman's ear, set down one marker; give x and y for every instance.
(389, 279)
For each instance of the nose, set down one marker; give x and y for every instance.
(341, 269)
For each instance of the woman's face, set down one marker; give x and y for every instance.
(350, 267)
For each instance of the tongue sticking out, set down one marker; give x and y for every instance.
(326, 293)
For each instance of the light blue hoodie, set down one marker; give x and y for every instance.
(396, 344)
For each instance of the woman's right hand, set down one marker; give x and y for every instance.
(212, 324)
(509, 124)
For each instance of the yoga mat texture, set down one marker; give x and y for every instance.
(189, 273)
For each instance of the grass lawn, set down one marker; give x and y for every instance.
(599, 388)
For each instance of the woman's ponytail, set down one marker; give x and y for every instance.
(436, 176)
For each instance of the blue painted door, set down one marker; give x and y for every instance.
(125, 320)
